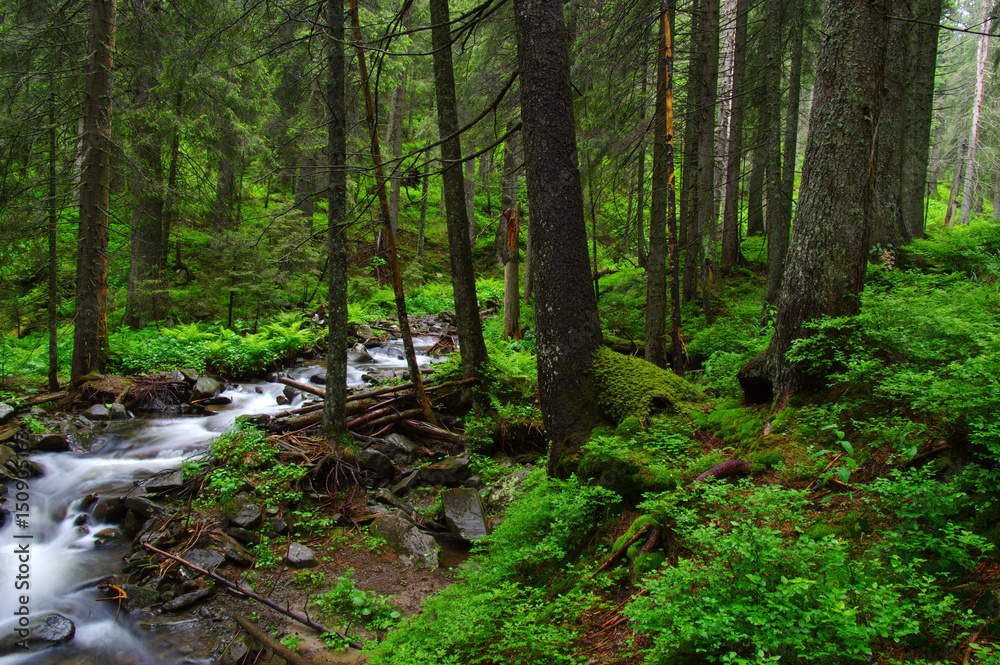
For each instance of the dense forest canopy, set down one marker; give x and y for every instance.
(791, 203)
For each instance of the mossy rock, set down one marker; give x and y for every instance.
(630, 387)
(647, 563)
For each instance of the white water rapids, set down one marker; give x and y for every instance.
(62, 551)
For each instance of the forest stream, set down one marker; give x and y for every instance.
(66, 557)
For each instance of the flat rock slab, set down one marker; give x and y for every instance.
(165, 482)
(451, 471)
(98, 412)
(206, 559)
(463, 511)
(300, 556)
(143, 506)
(187, 600)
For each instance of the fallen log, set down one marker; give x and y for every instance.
(305, 621)
(274, 645)
(432, 432)
(624, 548)
(41, 399)
(727, 469)
(304, 387)
(390, 419)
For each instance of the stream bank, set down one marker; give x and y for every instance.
(101, 489)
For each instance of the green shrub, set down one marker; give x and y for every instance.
(756, 590)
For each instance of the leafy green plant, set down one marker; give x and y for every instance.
(346, 600)
(755, 588)
(291, 640)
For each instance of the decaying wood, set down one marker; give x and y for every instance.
(617, 555)
(274, 645)
(728, 469)
(390, 419)
(41, 399)
(431, 432)
(305, 621)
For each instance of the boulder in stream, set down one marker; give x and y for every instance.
(52, 443)
(43, 632)
(463, 511)
(205, 387)
(98, 412)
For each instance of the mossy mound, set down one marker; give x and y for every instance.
(631, 387)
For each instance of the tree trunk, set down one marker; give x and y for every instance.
(705, 119)
(655, 334)
(982, 53)
(789, 156)
(827, 257)
(690, 240)
(335, 400)
(90, 336)
(394, 136)
(890, 231)
(731, 197)
(924, 47)
(144, 294)
(529, 259)
(777, 225)
(470, 194)
(422, 224)
(956, 182)
(727, 27)
(755, 186)
(53, 228)
(463, 279)
(169, 211)
(568, 329)
(509, 244)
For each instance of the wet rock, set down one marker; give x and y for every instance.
(206, 559)
(162, 538)
(451, 471)
(277, 526)
(98, 412)
(43, 632)
(81, 519)
(109, 510)
(245, 536)
(359, 354)
(235, 552)
(6, 412)
(52, 443)
(463, 511)
(413, 547)
(318, 379)
(165, 482)
(505, 491)
(290, 393)
(6, 454)
(375, 462)
(139, 597)
(143, 506)
(132, 524)
(118, 412)
(446, 317)
(33, 468)
(382, 495)
(281, 399)
(218, 400)
(362, 331)
(187, 600)
(244, 514)
(407, 483)
(398, 448)
(300, 556)
(205, 387)
(106, 536)
(175, 376)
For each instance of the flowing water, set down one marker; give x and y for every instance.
(50, 557)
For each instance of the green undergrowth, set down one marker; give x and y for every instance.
(760, 584)
(520, 597)
(212, 347)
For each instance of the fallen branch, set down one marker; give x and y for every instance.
(388, 420)
(624, 548)
(304, 387)
(305, 621)
(274, 645)
(727, 469)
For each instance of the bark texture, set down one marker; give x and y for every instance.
(470, 331)
(568, 330)
(827, 256)
(335, 400)
(91, 332)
